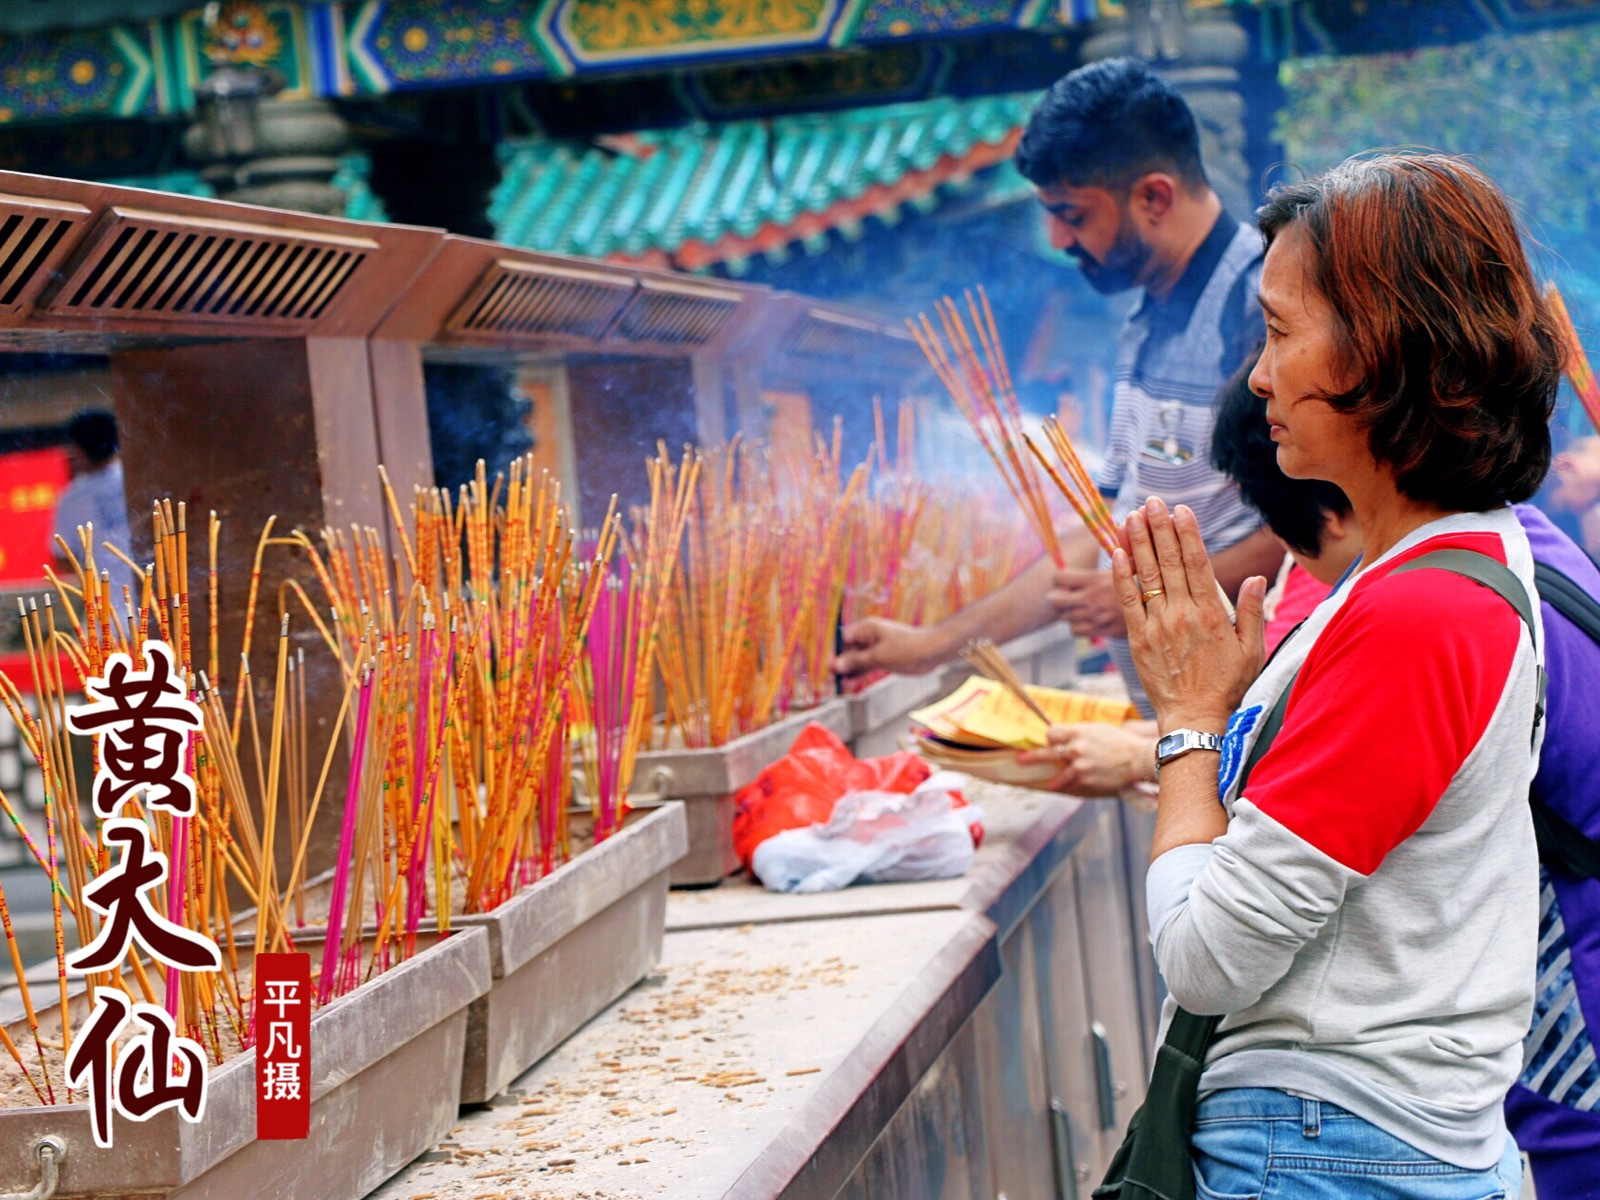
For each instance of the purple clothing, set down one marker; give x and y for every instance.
(1572, 709)
(1565, 1149)
(1562, 1144)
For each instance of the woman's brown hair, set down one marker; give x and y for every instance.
(1441, 323)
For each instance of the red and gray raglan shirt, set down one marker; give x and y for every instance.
(1369, 921)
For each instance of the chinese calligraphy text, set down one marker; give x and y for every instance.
(283, 1045)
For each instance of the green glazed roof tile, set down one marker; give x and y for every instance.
(740, 208)
(843, 178)
(703, 184)
(692, 159)
(592, 226)
(630, 209)
(875, 159)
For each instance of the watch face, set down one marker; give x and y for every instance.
(1184, 740)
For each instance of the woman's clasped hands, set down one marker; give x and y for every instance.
(1194, 660)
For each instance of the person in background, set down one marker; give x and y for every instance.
(95, 496)
(1114, 156)
(1310, 519)
(1577, 472)
(1554, 1109)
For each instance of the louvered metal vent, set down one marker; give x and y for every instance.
(145, 264)
(835, 337)
(33, 237)
(676, 315)
(517, 299)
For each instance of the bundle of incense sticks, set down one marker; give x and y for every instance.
(464, 655)
(980, 385)
(749, 623)
(1073, 481)
(70, 637)
(884, 575)
(811, 587)
(919, 552)
(991, 664)
(967, 545)
(602, 703)
(456, 663)
(1574, 360)
(997, 544)
(613, 700)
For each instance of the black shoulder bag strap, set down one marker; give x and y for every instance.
(1154, 1161)
(1561, 843)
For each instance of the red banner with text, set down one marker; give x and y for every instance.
(31, 482)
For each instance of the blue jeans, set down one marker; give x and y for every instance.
(1263, 1144)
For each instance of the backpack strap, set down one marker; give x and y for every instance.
(1270, 728)
(1562, 593)
(1471, 564)
(1481, 569)
(1501, 580)
(1561, 843)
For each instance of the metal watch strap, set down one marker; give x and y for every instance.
(1186, 740)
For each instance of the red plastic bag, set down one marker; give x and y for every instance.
(802, 787)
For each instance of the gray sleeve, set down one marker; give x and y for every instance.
(1167, 883)
(1262, 893)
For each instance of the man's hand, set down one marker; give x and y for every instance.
(1087, 601)
(879, 644)
(1096, 759)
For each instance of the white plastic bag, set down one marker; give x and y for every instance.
(874, 837)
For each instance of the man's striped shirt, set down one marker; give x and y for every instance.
(1173, 357)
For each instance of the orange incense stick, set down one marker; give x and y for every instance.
(983, 395)
(1575, 360)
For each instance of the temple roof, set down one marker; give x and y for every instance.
(696, 196)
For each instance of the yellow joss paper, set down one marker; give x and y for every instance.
(982, 714)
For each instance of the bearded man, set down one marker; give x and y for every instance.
(1114, 156)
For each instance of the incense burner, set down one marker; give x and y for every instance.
(385, 1086)
(1047, 656)
(878, 713)
(567, 946)
(707, 781)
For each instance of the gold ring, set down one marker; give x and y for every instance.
(1152, 594)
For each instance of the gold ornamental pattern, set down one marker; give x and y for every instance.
(604, 28)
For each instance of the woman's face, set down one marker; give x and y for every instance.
(1299, 363)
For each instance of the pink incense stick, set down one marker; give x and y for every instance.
(414, 917)
(414, 878)
(177, 881)
(347, 837)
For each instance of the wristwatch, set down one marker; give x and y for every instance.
(1180, 741)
